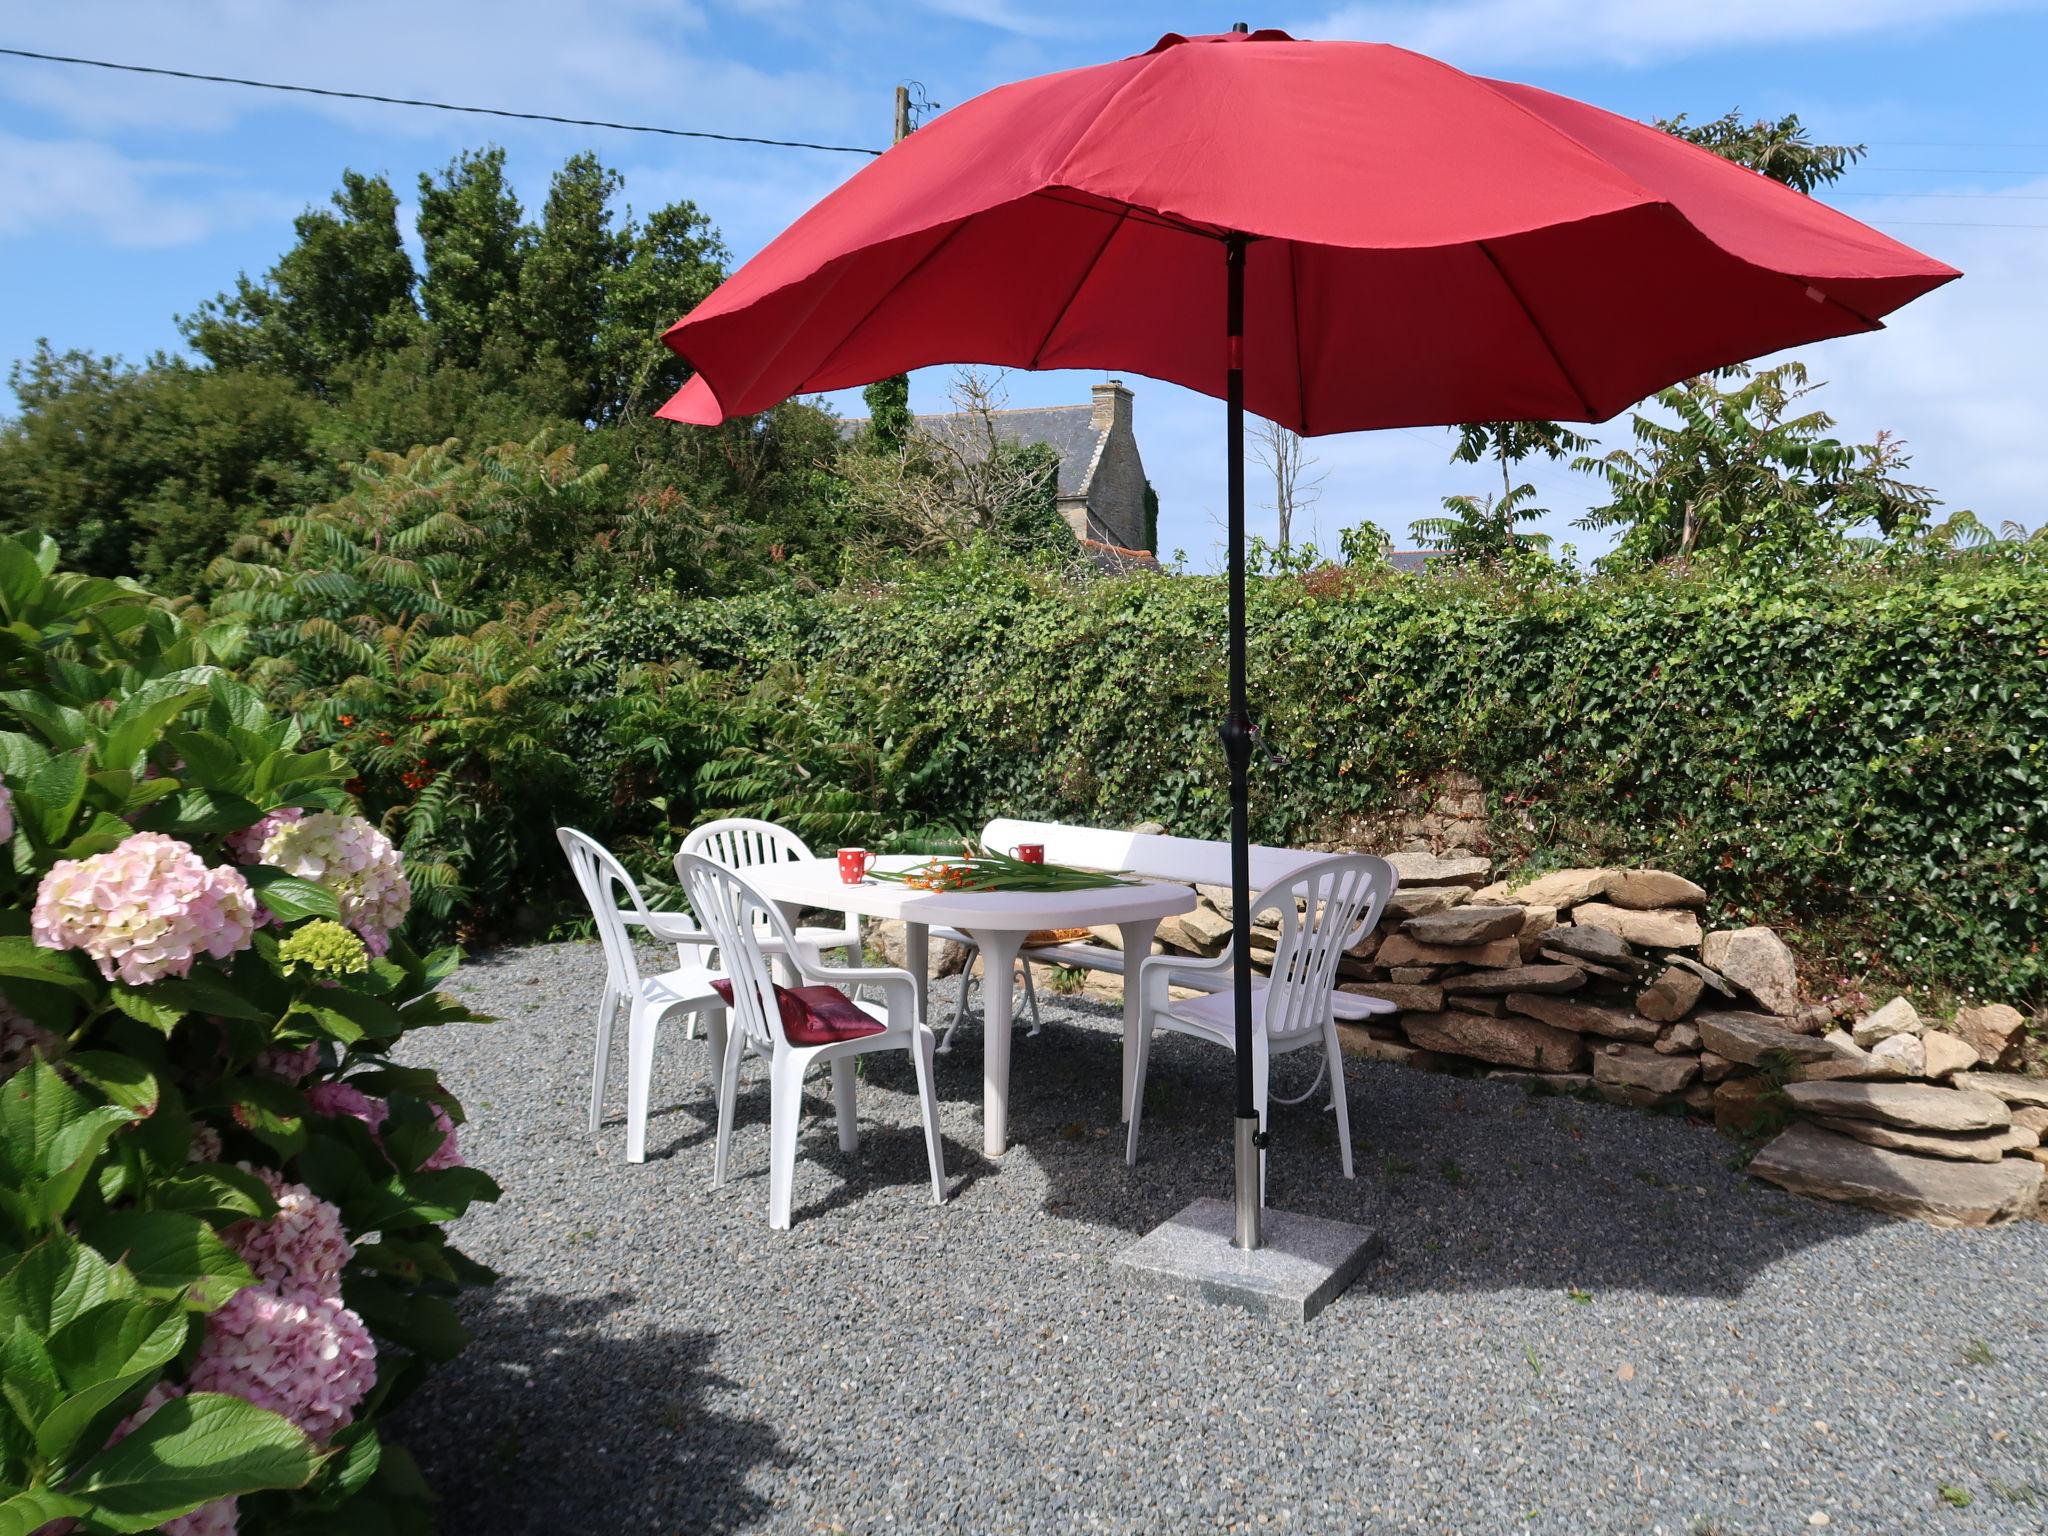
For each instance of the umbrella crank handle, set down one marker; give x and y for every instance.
(1240, 735)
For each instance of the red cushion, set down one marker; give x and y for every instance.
(815, 1015)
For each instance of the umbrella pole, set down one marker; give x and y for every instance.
(1237, 747)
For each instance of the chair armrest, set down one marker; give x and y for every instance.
(1171, 962)
(670, 927)
(899, 989)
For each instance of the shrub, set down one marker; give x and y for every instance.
(221, 1198)
(1858, 751)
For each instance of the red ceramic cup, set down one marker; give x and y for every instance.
(1030, 853)
(853, 865)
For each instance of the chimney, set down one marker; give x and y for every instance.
(1112, 405)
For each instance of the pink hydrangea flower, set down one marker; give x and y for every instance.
(445, 1155)
(144, 910)
(301, 1248)
(247, 844)
(289, 1066)
(6, 812)
(216, 1519)
(305, 1356)
(205, 1146)
(353, 860)
(337, 1099)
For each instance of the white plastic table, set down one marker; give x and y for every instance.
(998, 921)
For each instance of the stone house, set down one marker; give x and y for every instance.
(1101, 488)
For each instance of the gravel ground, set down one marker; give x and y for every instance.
(1583, 1322)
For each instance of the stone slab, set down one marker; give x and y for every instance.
(1418, 869)
(1304, 1265)
(1967, 1147)
(1584, 1018)
(1665, 928)
(1465, 924)
(1519, 978)
(1400, 950)
(1507, 1042)
(1911, 1106)
(1748, 1037)
(2031, 1092)
(1810, 1161)
(1645, 889)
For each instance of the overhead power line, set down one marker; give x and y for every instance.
(438, 106)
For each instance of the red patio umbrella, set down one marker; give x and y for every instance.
(1339, 235)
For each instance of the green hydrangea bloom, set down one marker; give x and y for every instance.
(325, 948)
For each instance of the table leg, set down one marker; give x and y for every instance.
(998, 960)
(1137, 937)
(917, 960)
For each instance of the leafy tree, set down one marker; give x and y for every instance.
(1744, 468)
(1483, 529)
(153, 469)
(476, 241)
(672, 263)
(345, 289)
(889, 418)
(564, 277)
(1782, 150)
(1507, 443)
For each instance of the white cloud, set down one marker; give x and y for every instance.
(632, 60)
(1485, 33)
(74, 184)
(1021, 20)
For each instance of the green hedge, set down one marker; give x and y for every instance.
(1856, 755)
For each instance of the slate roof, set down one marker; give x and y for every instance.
(1069, 430)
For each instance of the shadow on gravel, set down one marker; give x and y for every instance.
(545, 1424)
(1474, 1185)
(890, 1152)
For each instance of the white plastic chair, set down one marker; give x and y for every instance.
(741, 843)
(734, 914)
(1323, 909)
(650, 999)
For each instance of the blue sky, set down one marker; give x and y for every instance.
(125, 200)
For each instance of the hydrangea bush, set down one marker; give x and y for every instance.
(222, 1196)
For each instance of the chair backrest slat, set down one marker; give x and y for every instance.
(736, 915)
(1323, 909)
(601, 878)
(742, 843)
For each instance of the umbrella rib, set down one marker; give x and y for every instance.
(1536, 325)
(887, 294)
(1140, 215)
(1087, 271)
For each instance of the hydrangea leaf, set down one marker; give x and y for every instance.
(171, 1253)
(287, 897)
(192, 1451)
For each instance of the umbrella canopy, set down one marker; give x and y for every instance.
(1426, 246)
(1338, 235)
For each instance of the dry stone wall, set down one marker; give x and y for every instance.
(1610, 982)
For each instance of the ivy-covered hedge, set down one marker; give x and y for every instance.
(1858, 754)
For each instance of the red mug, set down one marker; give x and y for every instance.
(853, 865)
(1029, 853)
